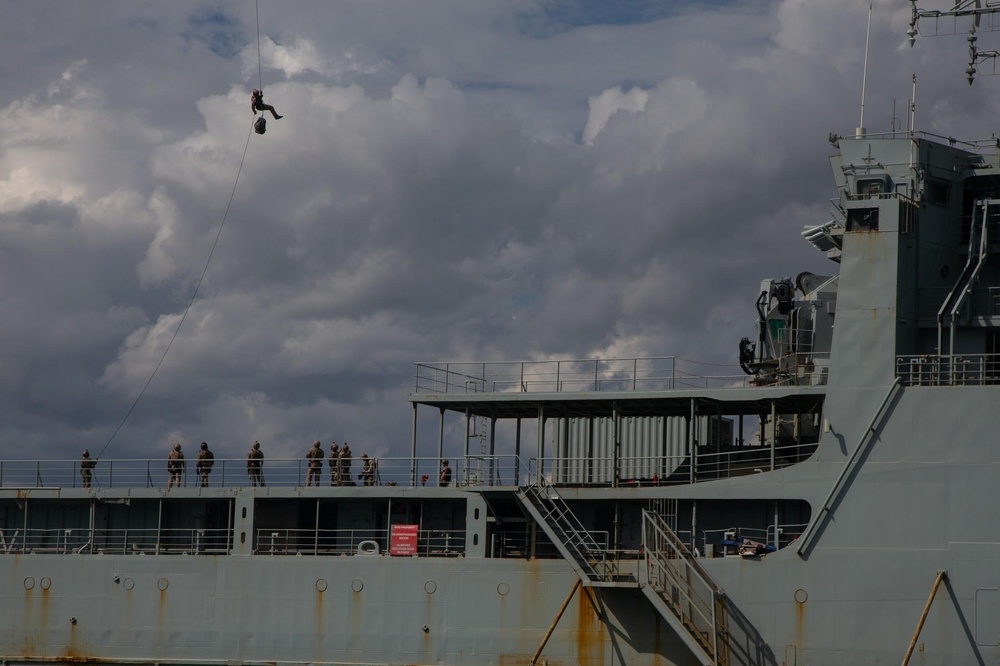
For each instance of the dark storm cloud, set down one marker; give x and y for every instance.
(446, 185)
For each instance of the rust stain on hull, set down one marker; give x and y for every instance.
(590, 631)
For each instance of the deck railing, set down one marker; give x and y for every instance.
(280, 541)
(478, 470)
(146, 541)
(948, 370)
(659, 373)
(470, 472)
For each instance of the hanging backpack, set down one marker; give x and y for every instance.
(260, 125)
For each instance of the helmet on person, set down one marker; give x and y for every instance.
(364, 455)
(204, 446)
(177, 447)
(444, 462)
(317, 444)
(86, 453)
(256, 445)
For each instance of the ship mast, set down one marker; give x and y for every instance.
(964, 9)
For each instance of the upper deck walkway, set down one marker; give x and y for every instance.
(287, 473)
(654, 386)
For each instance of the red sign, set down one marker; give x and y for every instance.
(403, 540)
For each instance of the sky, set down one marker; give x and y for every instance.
(498, 180)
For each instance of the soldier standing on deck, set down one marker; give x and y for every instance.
(367, 470)
(204, 464)
(334, 462)
(314, 459)
(86, 465)
(175, 466)
(255, 460)
(445, 479)
(345, 466)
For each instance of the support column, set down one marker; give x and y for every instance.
(243, 534)
(590, 449)
(540, 460)
(565, 465)
(777, 537)
(433, 478)
(616, 427)
(159, 524)
(692, 448)
(694, 525)
(493, 441)
(517, 453)
(664, 465)
(774, 430)
(93, 511)
(413, 449)
(468, 435)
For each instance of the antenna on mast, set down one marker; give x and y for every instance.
(860, 131)
(973, 9)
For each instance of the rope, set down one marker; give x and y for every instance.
(260, 78)
(190, 303)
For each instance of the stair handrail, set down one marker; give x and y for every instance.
(700, 608)
(570, 525)
(973, 265)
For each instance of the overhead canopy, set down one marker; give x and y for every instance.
(597, 404)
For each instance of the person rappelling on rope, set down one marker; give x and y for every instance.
(257, 104)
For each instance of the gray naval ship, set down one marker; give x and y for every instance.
(830, 505)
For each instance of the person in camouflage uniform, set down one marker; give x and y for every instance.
(314, 459)
(367, 470)
(345, 465)
(175, 466)
(255, 461)
(86, 467)
(334, 463)
(204, 464)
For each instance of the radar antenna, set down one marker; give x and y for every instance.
(951, 21)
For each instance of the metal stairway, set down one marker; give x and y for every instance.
(588, 558)
(683, 592)
(678, 587)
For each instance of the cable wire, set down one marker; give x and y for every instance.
(190, 303)
(260, 77)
